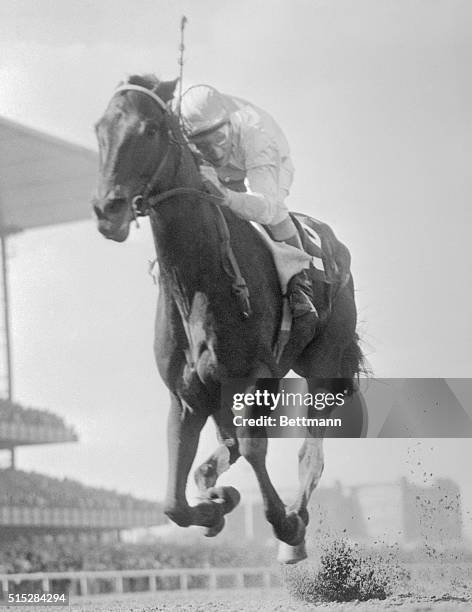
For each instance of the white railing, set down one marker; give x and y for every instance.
(86, 583)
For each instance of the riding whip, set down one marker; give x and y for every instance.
(183, 21)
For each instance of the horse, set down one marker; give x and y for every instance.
(202, 341)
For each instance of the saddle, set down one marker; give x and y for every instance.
(325, 258)
(319, 241)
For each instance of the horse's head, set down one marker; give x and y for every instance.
(133, 136)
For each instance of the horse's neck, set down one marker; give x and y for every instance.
(186, 234)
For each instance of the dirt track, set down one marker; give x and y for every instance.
(423, 588)
(254, 600)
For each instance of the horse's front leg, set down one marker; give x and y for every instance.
(183, 433)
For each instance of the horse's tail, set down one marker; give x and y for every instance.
(353, 364)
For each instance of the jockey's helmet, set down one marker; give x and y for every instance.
(203, 110)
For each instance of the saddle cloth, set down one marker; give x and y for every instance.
(288, 260)
(326, 259)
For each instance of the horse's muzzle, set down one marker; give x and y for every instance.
(113, 233)
(113, 218)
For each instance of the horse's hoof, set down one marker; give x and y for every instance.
(211, 532)
(228, 497)
(299, 528)
(291, 554)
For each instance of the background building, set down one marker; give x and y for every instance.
(398, 512)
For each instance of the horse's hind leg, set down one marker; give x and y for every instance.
(288, 527)
(224, 456)
(310, 469)
(184, 427)
(217, 463)
(207, 474)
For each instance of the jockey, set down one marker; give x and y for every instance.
(249, 167)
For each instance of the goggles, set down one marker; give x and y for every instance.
(216, 137)
(213, 144)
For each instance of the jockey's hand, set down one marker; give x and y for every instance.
(212, 184)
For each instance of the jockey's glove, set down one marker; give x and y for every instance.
(212, 184)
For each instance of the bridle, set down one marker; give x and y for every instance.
(143, 203)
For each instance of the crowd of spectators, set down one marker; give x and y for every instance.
(18, 488)
(38, 553)
(35, 554)
(11, 412)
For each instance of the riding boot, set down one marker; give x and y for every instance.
(300, 296)
(299, 288)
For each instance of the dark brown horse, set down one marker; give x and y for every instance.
(201, 340)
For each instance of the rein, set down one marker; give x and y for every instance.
(165, 195)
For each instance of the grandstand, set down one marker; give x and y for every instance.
(51, 524)
(47, 181)
(31, 502)
(25, 426)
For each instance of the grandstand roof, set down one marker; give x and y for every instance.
(43, 180)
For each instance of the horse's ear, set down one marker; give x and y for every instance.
(166, 89)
